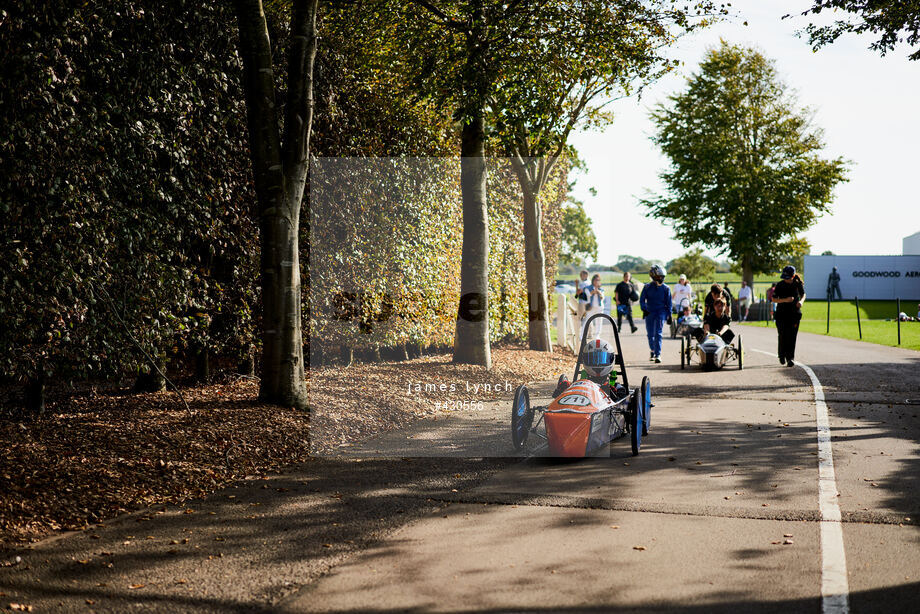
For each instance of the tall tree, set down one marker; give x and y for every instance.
(581, 56)
(458, 52)
(578, 239)
(280, 162)
(746, 173)
(894, 21)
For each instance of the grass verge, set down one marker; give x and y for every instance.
(843, 323)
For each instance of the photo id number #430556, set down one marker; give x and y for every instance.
(458, 405)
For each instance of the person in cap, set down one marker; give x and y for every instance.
(655, 302)
(788, 297)
(681, 294)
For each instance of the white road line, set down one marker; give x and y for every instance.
(834, 584)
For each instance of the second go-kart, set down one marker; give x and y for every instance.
(679, 329)
(592, 409)
(711, 351)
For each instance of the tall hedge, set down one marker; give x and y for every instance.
(124, 185)
(125, 188)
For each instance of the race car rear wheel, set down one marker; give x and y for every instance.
(646, 391)
(740, 354)
(635, 422)
(683, 352)
(521, 417)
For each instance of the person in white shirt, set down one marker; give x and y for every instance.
(595, 302)
(683, 290)
(745, 295)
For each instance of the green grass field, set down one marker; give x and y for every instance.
(873, 314)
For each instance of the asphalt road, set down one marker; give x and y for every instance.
(439, 517)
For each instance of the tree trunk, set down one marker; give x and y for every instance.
(282, 379)
(202, 366)
(247, 363)
(280, 172)
(747, 271)
(34, 400)
(471, 343)
(535, 265)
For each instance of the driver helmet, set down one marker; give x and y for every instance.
(657, 273)
(599, 358)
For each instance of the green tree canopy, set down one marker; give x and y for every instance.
(746, 172)
(894, 21)
(578, 240)
(633, 264)
(579, 57)
(694, 264)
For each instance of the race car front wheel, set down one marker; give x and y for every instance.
(521, 417)
(646, 391)
(636, 422)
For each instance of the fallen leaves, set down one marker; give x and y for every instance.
(98, 454)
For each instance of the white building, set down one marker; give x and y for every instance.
(912, 245)
(868, 277)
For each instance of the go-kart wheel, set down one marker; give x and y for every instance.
(646, 391)
(683, 352)
(521, 417)
(635, 422)
(740, 354)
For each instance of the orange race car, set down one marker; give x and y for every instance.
(587, 414)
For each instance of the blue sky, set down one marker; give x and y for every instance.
(866, 104)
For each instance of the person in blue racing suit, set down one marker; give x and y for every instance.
(655, 302)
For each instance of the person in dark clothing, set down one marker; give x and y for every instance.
(623, 293)
(833, 285)
(717, 321)
(716, 292)
(788, 296)
(729, 299)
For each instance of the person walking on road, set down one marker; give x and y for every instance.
(655, 302)
(623, 294)
(788, 297)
